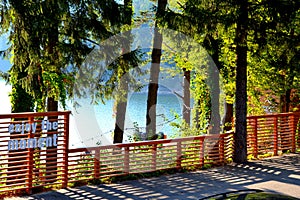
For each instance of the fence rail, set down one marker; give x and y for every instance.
(150, 156)
(35, 154)
(270, 134)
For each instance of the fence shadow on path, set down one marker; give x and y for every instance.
(277, 174)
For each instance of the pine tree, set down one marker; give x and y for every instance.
(154, 74)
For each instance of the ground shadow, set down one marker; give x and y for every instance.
(277, 174)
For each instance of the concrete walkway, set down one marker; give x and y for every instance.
(276, 174)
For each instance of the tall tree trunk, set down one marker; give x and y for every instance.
(215, 120)
(51, 152)
(214, 82)
(197, 114)
(121, 111)
(122, 102)
(52, 104)
(153, 89)
(154, 75)
(285, 101)
(186, 110)
(240, 136)
(228, 116)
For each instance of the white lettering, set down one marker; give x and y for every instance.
(55, 140)
(43, 125)
(12, 145)
(55, 125)
(41, 142)
(22, 144)
(27, 127)
(49, 142)
(18, 128)
(49, 125)
(31, 143)
(33, 126)
(22, 128)
(11, 128)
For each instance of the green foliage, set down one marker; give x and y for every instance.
(49, 40)
(182, 129)
(275, 56)
(202, 102)
(136, 136)
(272, 41)
(20, 100)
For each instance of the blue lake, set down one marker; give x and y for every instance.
(95, 123)
(167, 105)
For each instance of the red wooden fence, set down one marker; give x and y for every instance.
(271, 134)
(35, 154)
(34, 150)
(149, 156)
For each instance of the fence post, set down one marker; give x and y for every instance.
(255, 138)
(275, 134)
(221, 149)
(293, 128)
(179, 157)
(29, 162)
(97, 164)
(202, 151)
(66, 150)
(126, 160)
(154, 154)
(297, 130)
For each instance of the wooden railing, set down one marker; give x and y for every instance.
(150, 156)
(34, 151)
(26, 166)
(271, 134)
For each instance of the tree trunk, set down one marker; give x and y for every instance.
(227, 120)
(120, 122)
(154, 75)
(197, 114)
(52, 104)
(51, 152)
(214, 83)
(121, 111)
(152, 92)
(285, 101)
(240, 136)
(122, 102)
(215, 120)
(186, 110)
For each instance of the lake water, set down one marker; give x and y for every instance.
(99, 120)
(167, 105)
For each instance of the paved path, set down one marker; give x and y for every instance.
(277, 174)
